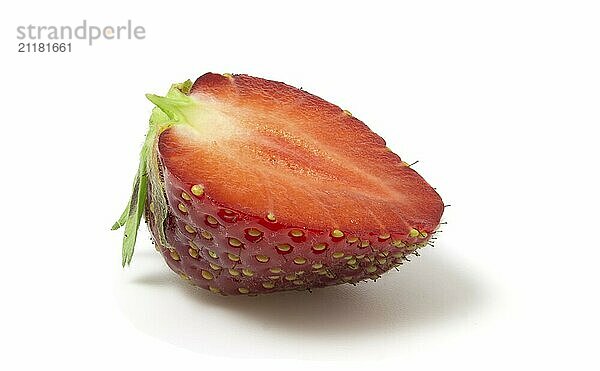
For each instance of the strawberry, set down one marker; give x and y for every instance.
(252, 186)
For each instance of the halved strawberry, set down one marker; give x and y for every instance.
(253, 186)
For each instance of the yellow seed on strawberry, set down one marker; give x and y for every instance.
(384, 236)
(268, 285)
(197, 190)
(296, 233)
(398, 243)
(234, 242)
(284, 247)
(207, 275)
(262, 258)
(319, 247)
(253, 232)
(174, 254)
(299, 260)
(206, 235)
(336, 233)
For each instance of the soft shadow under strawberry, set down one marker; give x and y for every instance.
(426, 293)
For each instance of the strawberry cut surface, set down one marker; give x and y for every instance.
(293, 154)
(255, 186)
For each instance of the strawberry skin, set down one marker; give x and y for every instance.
(252, 186)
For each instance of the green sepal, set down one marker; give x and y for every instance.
(121, 222)
(136, 210)
(169, 110)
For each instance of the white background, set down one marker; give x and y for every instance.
(498, 100)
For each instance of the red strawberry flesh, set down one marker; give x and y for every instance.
(279, 149)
